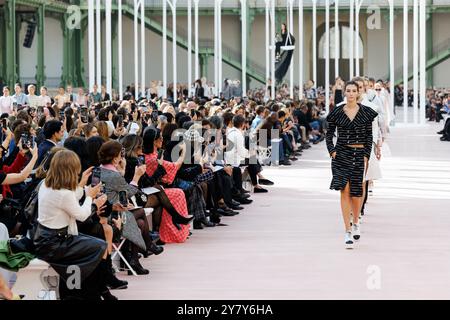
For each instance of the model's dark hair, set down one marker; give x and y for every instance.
(351, 83)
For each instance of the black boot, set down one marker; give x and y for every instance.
(111, 280)
(102, 288)
(153, 249)
(137, 267)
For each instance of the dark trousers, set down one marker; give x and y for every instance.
(253, 170)
(237, 180)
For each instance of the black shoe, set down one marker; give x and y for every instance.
(285, 163)
(233, 203)
(266, 182)
(107, 296)
(226, 213)
(138, 268)
(260, 190)
(240, 195)
(214, 217)
(293, 159)
(245, 201)
(198, 225)
(235, 207)
(154, 249)
(204, 222)
(178, 219)
(160, 242)
(441, 132)
(116, 284)
(243, 191)
(445, 138)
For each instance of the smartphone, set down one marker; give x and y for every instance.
(27, 141)
(62, 115)
(5, 124)
(84, 114)
(108, 210)
(155, 116)
(15, 106)
(40, 112)
(141, 160)
(123, 200)
(96, 175)
(120, 121)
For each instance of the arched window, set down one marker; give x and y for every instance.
(344, 43)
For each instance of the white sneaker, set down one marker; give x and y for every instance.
(356, 231)
(348, 240)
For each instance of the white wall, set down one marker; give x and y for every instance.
(53, 55)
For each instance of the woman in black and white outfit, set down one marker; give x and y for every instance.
(350, 155)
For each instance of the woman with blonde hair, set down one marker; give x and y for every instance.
(102, 129)
(57, 240)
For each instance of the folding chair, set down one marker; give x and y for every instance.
(117, 252)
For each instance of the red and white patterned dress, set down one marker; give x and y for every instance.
(167, 231)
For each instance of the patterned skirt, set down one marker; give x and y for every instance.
(168, 232)
(348, 167)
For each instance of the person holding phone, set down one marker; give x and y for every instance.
(113, 165)
(57, 239)
(170, 231)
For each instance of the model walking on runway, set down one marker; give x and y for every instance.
(350, 155)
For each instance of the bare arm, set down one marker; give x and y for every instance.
(15, 178)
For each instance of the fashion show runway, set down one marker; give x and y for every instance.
(289, 243)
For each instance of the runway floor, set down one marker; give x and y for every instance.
(289, 243)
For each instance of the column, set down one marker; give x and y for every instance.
(352, 39)
(10, 27)
(91, 44)
(99, 44)
(300, 49)
(108, 48)
(189, 51)
(327, 56)
(391, 54)
(314, 42)
(336, 39)
(405, 60)
(40, 68)
(244, 46)
(423, 60)
(416, 61)
(197, 61)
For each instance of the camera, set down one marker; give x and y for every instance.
(84, 114)
(123, 200)
(27, 141)
(96, 176)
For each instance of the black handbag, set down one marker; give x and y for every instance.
(10, 210)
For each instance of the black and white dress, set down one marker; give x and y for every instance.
(348, 165)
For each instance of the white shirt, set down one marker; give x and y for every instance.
(6, 104)
(44, 101)
(60, 208)
(236, 147)
(34, 100)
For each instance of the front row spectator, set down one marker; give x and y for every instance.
(57, 240)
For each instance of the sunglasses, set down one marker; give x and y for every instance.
(377, 89)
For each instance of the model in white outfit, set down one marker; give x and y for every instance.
(371, 100)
